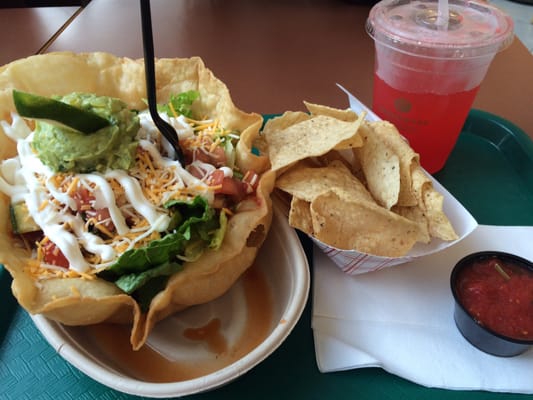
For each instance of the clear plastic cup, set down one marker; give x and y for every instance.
(428, 69)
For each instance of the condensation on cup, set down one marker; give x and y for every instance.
(429, 67)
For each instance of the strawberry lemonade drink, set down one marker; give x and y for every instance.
(430, 61)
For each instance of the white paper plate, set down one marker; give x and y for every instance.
(281, 263)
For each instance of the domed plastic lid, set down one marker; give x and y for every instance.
(414, 26)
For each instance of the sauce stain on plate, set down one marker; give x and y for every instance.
(209, 334)
(216, 335)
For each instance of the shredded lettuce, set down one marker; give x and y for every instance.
(229, 150)
(143, 272)
(181, 104)
(129, 283)
(218, 235)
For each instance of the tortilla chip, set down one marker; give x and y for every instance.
(308, 183)
(81, 301)
(439, 224)
(300, 216)
(290, 142)
(421, 183)
(286, 120)
(374, 199)
(380, 200)
(331, 156)
(362, 226)
(417, 215)
(347, 115)
(381, 167)
(432, 202)
(409, 159)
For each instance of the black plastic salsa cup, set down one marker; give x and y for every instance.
(480, 336)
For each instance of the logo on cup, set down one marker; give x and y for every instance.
(402, 105)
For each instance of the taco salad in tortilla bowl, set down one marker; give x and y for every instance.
(103, 224)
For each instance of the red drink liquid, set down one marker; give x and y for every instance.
(431, 122)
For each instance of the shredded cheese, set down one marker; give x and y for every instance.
(172, 109)
(135, 200)
(73, 185)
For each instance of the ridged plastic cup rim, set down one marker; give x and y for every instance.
(393, 39)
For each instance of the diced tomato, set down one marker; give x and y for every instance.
(216, 177)
(195, 171)
(218, 157)
(83, 199)
(232, 188)
(227, 186)
(201, 155)
(85, 204)
(206, 153)
(188, 155)
(103, 216)
(53, 255)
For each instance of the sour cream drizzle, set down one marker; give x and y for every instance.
(26, 178)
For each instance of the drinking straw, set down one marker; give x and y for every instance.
(443, 14)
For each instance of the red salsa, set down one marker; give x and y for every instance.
(499, 295)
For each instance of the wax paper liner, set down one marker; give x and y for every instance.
(353, 262)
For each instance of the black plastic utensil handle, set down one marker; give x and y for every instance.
(149, 66)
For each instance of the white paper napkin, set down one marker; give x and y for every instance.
(401, 319)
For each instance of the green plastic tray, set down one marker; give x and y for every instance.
(490, 171)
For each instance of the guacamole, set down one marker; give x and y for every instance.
(67, 150)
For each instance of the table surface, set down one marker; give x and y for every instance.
(275, 54)
(25, 31)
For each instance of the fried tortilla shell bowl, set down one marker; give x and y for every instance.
(80, 301)
(170, 364)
